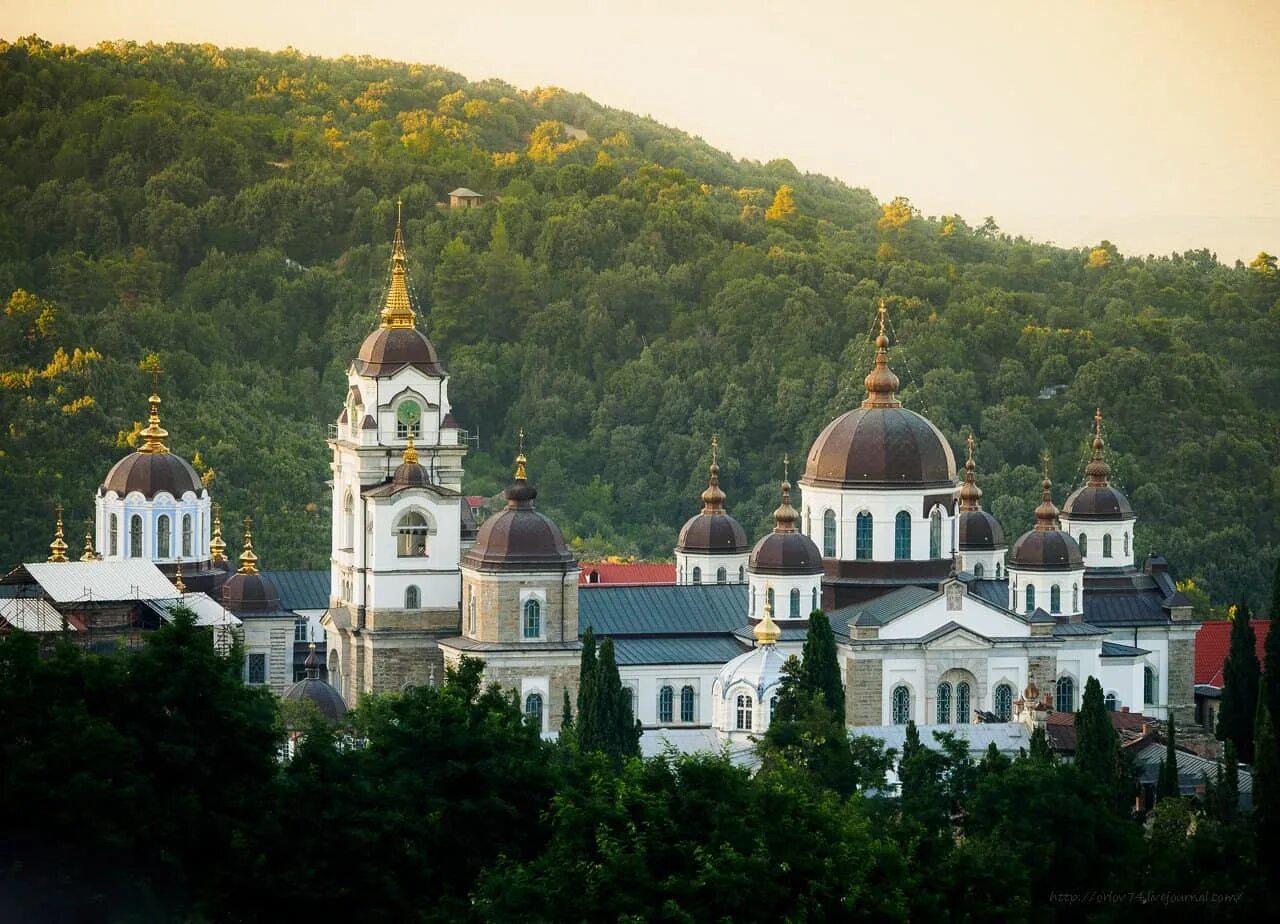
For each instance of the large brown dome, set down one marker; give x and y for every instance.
(151, 473)
(389, 349)
(519, 538)
(886, 446)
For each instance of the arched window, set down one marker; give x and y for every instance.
(412, 535)
(722, 576)
(935, 534)
(808, 522)
(1106, 546)
(744, 712)
(795, 603)
(768, 599)
(412, 598)
(901, 705)
(1002, 702)
(1110, 701)
(977, 571)
(1031, 598)
(533, 709)
(471, 610)
(773, 707)
(944, 704)
(862, 547)
(686, 704)
(1148, 686)
(1055, 599)
(962, 703)
(829, 534)
(114, 536)
(1075, 598)
(164, 534)
(753, 601)
(666, 704)
(902, 535)
(998, 570)
(349, 521)
(135, 536)
(1065, 701)
(532, 618)
(742, 574)
(186, 535)
(697, 575)
(1126, 545)
(1083, 542)
(813, 605)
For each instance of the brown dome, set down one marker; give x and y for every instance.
(389, 349)
(712, 531)
(326, 699)
(250, 594)
(1098, 499)
(152, 472)
(519, 538)
(1046, 548)
(978, 530)
(785, 550)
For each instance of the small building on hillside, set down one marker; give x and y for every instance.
(463, 198)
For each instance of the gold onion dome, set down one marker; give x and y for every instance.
(177, 578)
(248, 560)
(88, 554)
(409, 473)
(58, 547)
(153, 435)
(217, 546)
(766, 630)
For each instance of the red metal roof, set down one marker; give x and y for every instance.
(609, 574)
(1212, 642)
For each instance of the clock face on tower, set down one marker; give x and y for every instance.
(408, 413)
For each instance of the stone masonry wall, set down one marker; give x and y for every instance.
(1182, 700)
(1042, 670)
(864, 691)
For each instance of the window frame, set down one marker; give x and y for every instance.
(944, 703)
(136, 536)
(902, 536)
(722, 576)
(964, 706)
(688, 704)
(405, 533)
(531, 616)
(258, 660)
(900, 704)
(1055, 598)
(1029, 592)
(794, 603)
(829, 533)
(534, 698)
(935, 534)
(187, 535)
(412, 597)
(1002, 702)
(113, 535)
(1064, 689)
(864, 536)
(743, 712)
(666, 704)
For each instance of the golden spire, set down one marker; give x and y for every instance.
(248, 561)
(410, 453)
(58, 547)
(1097, 472)
(177, 578)
(785, 516)
(881, 383)
(970, 493)
(88, 544)
(217, 548)
(521, 475)
(766, 630)
(1046, 513)
(397, 310)
(153, 434)
(713, 497)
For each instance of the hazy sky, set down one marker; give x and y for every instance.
(1153, 124)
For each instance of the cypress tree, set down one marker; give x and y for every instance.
(1240, 682)
(567, 733)
(1226, 790)
(1167, 783)
(820, 664)
(1266, 787)
(1040, 751)
(1097, 747)
(619, 734)
(588, 696)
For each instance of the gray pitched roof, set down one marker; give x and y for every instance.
(688, 650)
(882, 610)
(1078, 628)
(1116, 650)
(704, 609)
(949, 627)
(996, 592)
(301, 590)
(1140, 608)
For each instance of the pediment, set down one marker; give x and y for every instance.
(953, 636)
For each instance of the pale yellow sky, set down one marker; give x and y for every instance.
(1153, 124)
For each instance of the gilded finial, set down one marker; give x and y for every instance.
(58, 547)
(766, 630)
(785, 516)
(153, 435)
(410, 451)
(177, 578)
(968, 445)
(1046, 512)
(312, 664)
(248, 561)
(883, 312)
(89, 554)
(715, 445)
(881, 383)
(1097, 472)
(786, 469)
(521, 474)
(397, 310)
(713, 497)
(970, 493)
(217, 547)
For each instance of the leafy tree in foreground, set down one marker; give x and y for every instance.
(1167, 782)
(1271, 651)
(1240, 681)
(1266, 789)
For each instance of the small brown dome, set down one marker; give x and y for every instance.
(785, 550)
(518, 537)
(250, 594)
(1098, 499)
(326, 699)
(712, 531)
(409, 473)
(389, 349)
(1046, 548)
(151, 473)
(978, 530)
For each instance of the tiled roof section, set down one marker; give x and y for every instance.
(1213, 640)
(658, 609)
(1116, 650)
(597, 573)
(694, 650)
(1060, 727)
(302, 590)
(1135, 608)
(995, 592)
(882, 610)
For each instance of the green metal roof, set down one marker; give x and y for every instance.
(881, 610)
(702, 609)
(301, 590)
(696, 650)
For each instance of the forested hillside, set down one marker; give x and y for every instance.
(626, 292)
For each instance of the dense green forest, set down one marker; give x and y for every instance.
(626, 292)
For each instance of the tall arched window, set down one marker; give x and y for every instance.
(743, 717)
(186, 535)
(412, 535)
(164, 534)
(998, 570)
(753, 601)
(1126, 545)
(1083, 541)
(349, 521)
(1075, 598)
(666, 704)
(533, 709)
(1110, 701)
(1065, 701)
(944, 704)
(135, 536)
(1031, 598)
(795, 603)
(768, 599)
(1002, 702)
(1148, 686)
(829, 534)
(962, 703)
(902, 535)
(113, 538)
(977, 571)
(1055, 599)
(697, 575)
(722, 576)
(471, 610)
(412, 597)
(532, 627)
(1106, 546)
(742, 574)
(686, 704)
(935, 534)
(901, 705)
(813, 604)
(862, 547)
